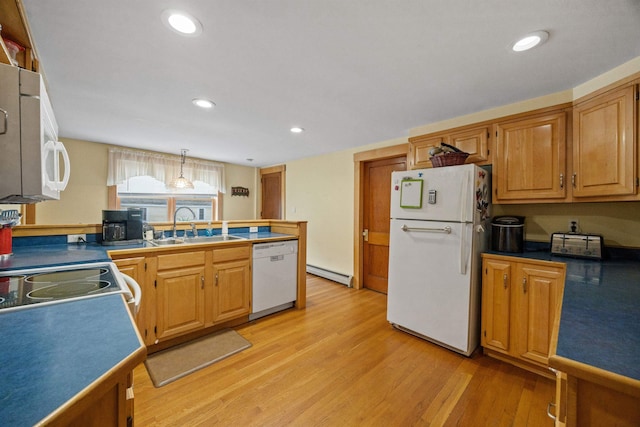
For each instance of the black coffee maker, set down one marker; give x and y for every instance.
(122, 226)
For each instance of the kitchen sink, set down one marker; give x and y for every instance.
(218, 238)
(167, 241)
(198, 239)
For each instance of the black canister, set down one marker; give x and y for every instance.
(507, 234)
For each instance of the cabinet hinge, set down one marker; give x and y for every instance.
(485, 333)
(145, 333)
(488, 152)
(496, 134)
(637, 95)
(155, 283)
(155, 330)
(488, 134)
(638, 182)
(145, 266)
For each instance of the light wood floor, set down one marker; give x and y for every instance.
(339, 363)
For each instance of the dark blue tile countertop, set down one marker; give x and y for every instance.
(600, 317)
(51, 353)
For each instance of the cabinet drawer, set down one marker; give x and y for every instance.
(229, 254)
(182, 259)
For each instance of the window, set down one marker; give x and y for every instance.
(138, 179)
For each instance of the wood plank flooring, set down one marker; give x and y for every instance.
(340, 363)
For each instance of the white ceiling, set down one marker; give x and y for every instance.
(350, 72)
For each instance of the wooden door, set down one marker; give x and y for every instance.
(603, 145)
(180, 304)
(537, 289)
(496, 304)
(231, 290)
(530, 159)
(376, 209)
(272, 191)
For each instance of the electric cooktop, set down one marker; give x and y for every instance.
(20, 288)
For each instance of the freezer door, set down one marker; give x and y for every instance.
(434, 281)
(453, 193)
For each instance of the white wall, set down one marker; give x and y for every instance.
(320, 190)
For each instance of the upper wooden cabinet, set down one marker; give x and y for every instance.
(605, 151)
(15, 28)
(530, 159)
(470, 139)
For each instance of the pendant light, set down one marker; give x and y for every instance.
(181, 183)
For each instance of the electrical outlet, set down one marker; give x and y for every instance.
(574, 225)
(76, 238)
(253, 229)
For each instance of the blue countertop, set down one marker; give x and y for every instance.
(600, 317)
(51, 353)
(50, 254)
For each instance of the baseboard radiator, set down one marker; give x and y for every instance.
(331, 275)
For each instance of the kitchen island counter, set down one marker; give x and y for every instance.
(55, 357)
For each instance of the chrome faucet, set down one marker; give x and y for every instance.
(175, 215)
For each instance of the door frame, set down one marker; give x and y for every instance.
(359, 159)
(282, 169)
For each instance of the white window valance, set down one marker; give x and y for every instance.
(127, 163)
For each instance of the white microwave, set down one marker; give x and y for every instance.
(34, 165)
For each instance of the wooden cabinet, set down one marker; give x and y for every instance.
(587, 399)
(519, 306)
(473, 140)
(530, 159)
(605, 156)
(180, 285)
(187, 290)
(136, 268)
(15, 28)
(232, 283)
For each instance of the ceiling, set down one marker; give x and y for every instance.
(350, 72)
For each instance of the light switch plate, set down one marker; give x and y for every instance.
(253, 229)
(76, 238)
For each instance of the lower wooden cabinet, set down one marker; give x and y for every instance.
(232, 283)
(184, 291)
(582, 402)
(519, 306)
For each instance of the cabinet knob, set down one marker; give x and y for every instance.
(561, 180)
(216, 279)
(201, 282)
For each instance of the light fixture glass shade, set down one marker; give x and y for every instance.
(181, 183)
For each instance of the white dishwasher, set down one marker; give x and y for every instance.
(275, 277)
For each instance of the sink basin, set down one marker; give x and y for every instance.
(218, 238)
(167, 241)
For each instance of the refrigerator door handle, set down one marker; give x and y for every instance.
(446, 230)
(464, 246)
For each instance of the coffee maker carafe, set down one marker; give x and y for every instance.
(114, 226)
(122, 226)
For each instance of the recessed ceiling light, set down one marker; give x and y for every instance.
(203, 103)
(296, 129)
(182, 22)
(530, 41)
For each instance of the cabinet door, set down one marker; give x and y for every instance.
(538, 293)
(496, 304)
(135, 267)
(231, 290)
(180, 301)
(604, 145)
(473, 141)
(419, 150)
(530, 159)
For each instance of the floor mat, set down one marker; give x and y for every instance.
(176, 362)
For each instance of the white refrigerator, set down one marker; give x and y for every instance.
(439, 227)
